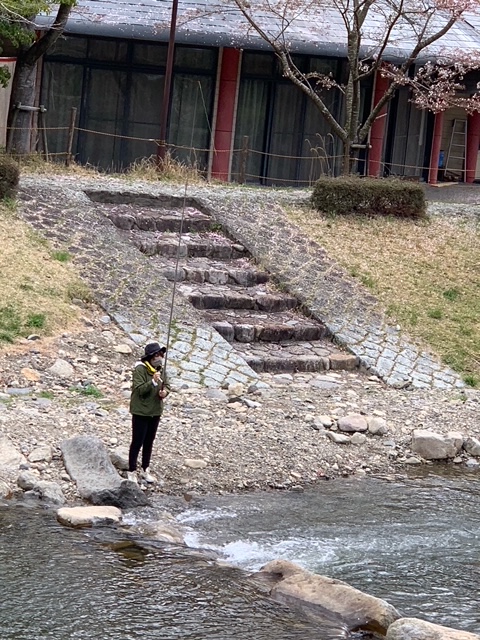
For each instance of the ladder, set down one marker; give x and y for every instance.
(455, 158)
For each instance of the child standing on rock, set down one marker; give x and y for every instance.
(149, 390)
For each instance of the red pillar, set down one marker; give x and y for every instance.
(377, 132)
(473, 142)
(225, 121)
(435, 152)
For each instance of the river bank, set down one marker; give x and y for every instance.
(272, 435)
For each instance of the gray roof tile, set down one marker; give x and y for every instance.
(217, 22)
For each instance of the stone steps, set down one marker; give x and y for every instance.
(162, 220)
(202, 270)
(217, 276)
(209, 296)
(204, 245)
(293, 357)
(250, 326)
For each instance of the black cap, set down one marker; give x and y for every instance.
(151, 349)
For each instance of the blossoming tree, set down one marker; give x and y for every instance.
(403, 41)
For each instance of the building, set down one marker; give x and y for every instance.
(231, 112)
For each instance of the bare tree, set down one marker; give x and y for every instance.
(398, 39)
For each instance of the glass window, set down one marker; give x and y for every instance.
(321, 149)
(107, 50)
(146, 97)
(69, 47)
(198, 59)
(258, 64)
(150, 54)
(286, 134)
(326, 66)
(105, 115)
(190, 118)
(61, 90)
(251, 122)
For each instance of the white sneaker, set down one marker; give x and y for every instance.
(132, 476)
(147, 476)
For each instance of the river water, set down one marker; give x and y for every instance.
(415, 543)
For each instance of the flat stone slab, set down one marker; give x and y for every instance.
(88, 516)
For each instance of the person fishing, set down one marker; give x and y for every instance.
(149, 389)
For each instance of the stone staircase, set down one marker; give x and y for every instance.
(267, 326)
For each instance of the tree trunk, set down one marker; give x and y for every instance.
(23, 92)
(25, 78)
(346, 160)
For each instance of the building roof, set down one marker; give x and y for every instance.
(318, 31)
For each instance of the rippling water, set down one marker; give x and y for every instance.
(416, 544)
(64, 584)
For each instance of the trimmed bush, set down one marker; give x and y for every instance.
(369, 197)
(9, 176)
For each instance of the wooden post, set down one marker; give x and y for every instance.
(243, 161)
(41, 122)
(71, 133)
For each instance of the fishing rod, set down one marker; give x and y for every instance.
(174, 288)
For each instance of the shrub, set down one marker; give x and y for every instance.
(9, 176)
(369, 196)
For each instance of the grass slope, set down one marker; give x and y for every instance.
(37, 285)
(426, 273)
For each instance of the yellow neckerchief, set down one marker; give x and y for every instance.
(151, 370)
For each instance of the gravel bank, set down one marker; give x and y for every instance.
(275, 437)
(278, 433)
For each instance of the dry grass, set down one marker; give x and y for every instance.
(35, 163)
(167, 169)
(426, 274)
(36, 288)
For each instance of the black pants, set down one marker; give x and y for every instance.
(144, 430)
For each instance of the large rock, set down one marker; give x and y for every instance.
(127, 496)
(88, 463)
(10, 458)
(415, 629)
(49, 492)
(162, 530)
(353, 422)
(472, 446)
(119, 458)
(5, 490)
(359, 611)
(62, 369)
(88, 516)
(433, 446)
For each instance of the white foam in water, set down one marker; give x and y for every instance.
(204, 515)
(253, 555)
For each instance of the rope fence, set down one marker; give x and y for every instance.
(319, 162)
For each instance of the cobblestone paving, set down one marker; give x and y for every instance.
(255, 219)
(130, 286)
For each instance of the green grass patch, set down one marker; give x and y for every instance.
(451, 294)
(470, 380)
(13, 325)
(49, 395)
(36, 320)
(89, 390)
(36, 289)
(61, 256)
(435, 314)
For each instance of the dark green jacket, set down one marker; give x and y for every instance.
(145, 400)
